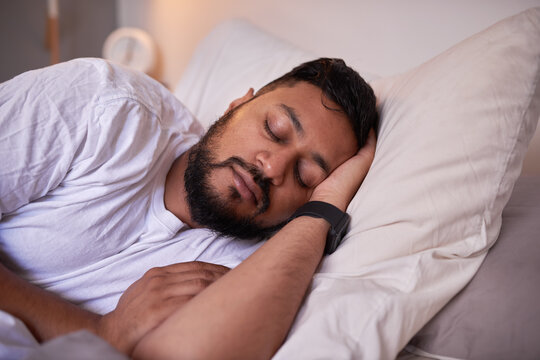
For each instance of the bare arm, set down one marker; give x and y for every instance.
(45, 314)
(248, 312)
(144, 305)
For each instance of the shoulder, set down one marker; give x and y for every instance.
(119, 84)
(106, 83)
(90, 91)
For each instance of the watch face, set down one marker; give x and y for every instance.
(336, 234)
(131, 47)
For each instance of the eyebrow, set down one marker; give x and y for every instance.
(293, 116)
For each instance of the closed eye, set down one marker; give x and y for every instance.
(298, 177)
(270, 133)
(277, 139)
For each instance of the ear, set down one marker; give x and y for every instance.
(248, 96)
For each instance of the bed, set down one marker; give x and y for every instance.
(415, 276)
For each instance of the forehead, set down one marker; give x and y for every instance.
(308, 100)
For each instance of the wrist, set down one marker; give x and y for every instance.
(312, 228)
(335, 200)
(106, 330)
(337, 220)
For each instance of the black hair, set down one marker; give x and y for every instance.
(340, 84)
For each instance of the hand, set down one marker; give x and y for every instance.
(152, 298)
(339, 188)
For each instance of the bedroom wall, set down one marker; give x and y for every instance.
(393, 30)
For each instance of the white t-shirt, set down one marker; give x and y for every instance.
(85, 147)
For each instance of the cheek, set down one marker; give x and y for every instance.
(311, 174)
(236, 143)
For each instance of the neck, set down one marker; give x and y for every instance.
(175, 196)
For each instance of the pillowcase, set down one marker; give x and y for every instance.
(452, 138)
(235, 56)
(451, 143)
(496, 316)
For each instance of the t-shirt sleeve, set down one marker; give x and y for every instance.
(84, 117)
(40, 131)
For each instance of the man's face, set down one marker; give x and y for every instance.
(264, 160)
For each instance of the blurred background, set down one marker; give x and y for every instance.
(177, 26)
(83, 27)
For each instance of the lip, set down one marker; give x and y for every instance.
(245, 185)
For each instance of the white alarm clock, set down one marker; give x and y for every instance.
(131, 47)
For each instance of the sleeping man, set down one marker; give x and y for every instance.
(99, 165)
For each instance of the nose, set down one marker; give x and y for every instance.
(274, 165)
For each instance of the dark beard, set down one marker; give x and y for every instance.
(207, 208)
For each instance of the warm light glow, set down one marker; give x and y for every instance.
(52, 8)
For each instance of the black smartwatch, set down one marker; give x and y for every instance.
(339, 221)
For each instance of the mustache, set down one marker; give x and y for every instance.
(257, 175)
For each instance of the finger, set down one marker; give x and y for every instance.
(178, 278)
(372, 139)
(353, 169)
(154, 315)
(165, 309)
(190, 287)
(370, 145)
(194, 266)
(179, 268)
(180, 284)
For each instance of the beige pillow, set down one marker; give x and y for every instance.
(453, 135)
(235, 56)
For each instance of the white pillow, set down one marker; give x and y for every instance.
(453, 135)
(452, 139)
(235, 56)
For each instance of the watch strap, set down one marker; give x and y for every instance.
(337, 219)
